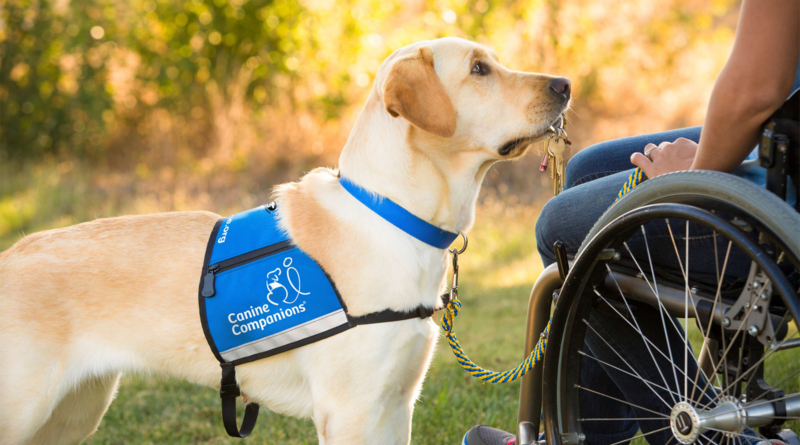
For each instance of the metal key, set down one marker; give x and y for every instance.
(554, 153)
(556, 148)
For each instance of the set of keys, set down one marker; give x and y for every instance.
(555, 148)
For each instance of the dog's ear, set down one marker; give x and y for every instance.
(414, 91)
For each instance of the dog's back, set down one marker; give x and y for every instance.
(48, 275)
(68, 297)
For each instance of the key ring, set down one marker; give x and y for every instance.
(559, 132)
(560, 123)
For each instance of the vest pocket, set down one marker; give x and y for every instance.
(237, 261)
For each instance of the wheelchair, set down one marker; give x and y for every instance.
(730, 383)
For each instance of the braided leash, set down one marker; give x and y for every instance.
(636, 178)
(481, 373)
(454, 306)
(451, 311)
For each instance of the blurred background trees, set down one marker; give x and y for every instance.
(111, 106)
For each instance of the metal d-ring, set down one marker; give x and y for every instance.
(464, 247)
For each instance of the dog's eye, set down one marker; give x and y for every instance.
(480, 69)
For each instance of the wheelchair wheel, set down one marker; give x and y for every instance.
(624, 360)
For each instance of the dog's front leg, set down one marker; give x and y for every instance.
(384, 422)
(368, 381)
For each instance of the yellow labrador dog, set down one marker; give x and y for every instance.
(83, 304)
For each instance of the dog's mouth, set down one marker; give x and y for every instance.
(515, 145)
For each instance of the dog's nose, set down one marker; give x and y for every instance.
(560, 87)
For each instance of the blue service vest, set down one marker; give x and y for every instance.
(261, 295)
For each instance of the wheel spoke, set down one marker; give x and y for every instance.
(686, 321)
(687, 295)
(647, 340)
(784, 319)
(655, 286)
(788, 337)
(711, 439)
(717, 298)
(725, 354)
(638, 329)
(641, 435)
(722, 357)
(626, 363)
(623, 401)
(733, 341)
(625, 372)
(741, 358)
(621, 418)
(716, 259)
(661, 311)
(749, 438)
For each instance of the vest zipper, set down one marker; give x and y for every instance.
(230, 263)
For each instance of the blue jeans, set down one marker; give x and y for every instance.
(594, 176)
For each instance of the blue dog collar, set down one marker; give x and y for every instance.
(400, 217)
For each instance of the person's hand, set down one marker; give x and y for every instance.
(667, 157)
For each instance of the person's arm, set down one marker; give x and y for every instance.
(755, 82)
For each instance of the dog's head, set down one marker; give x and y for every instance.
(457, 96)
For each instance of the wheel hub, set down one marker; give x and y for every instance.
(685, 423)
(729, 417)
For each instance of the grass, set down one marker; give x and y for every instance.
(151, 410)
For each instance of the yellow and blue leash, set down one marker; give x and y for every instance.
(636, 178)
(454, 306)
(450, 313)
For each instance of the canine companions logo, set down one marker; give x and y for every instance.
(275, 290)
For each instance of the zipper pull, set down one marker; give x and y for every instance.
(208, 282)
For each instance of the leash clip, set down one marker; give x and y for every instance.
(453, 294)
(454, 283)
(451, 297)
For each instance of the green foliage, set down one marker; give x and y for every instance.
(52, 79)
(73, 71)
(82, 77)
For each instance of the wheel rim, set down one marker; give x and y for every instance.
(693, 408)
